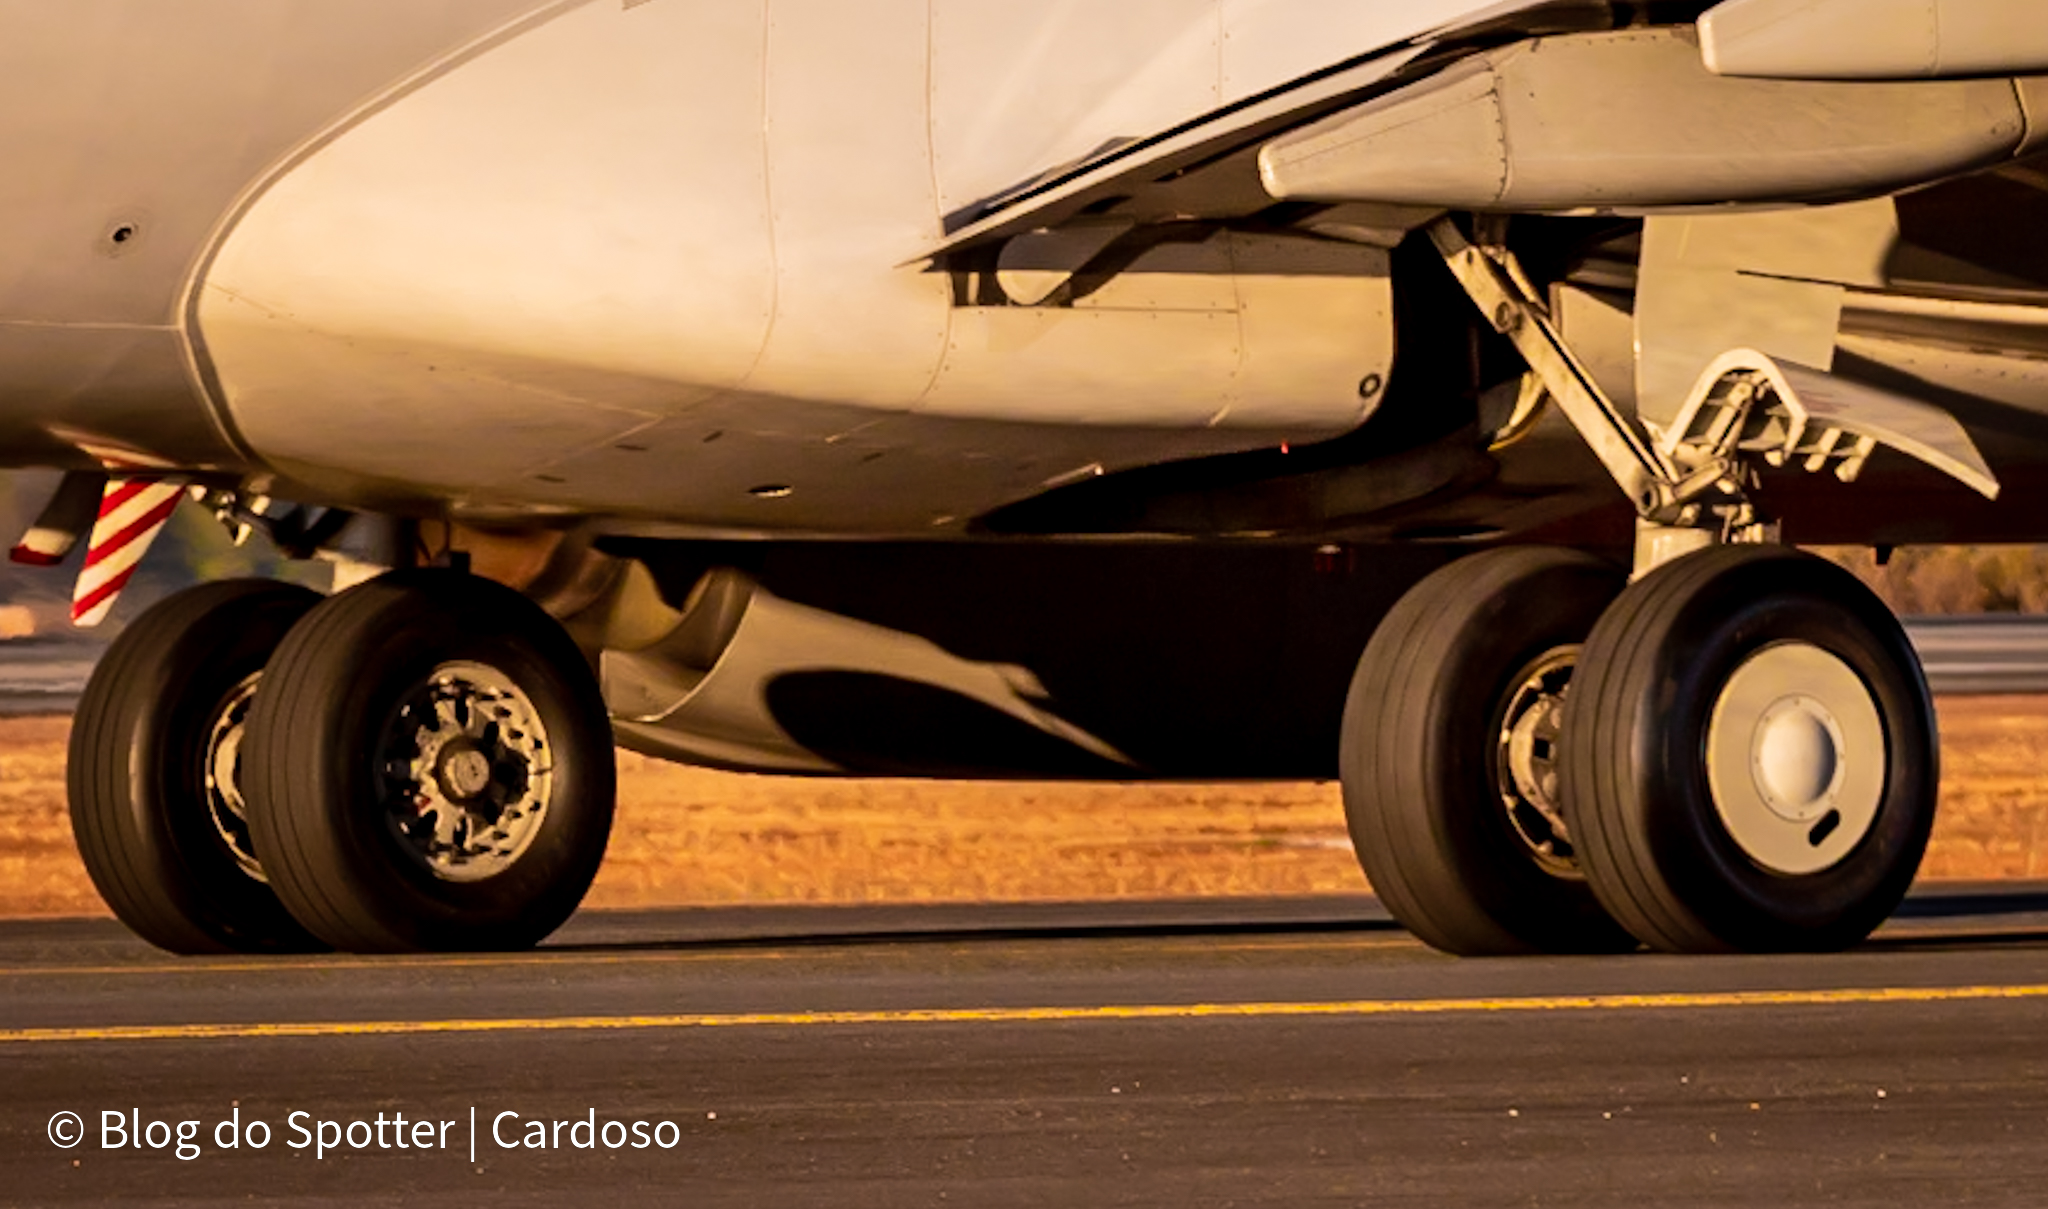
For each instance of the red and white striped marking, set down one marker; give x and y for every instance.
(41, 547)
(63, 522)
(132, 513)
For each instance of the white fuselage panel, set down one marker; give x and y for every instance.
(653, 260)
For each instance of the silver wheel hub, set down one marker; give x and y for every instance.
(467, 772)
(222, 769)
(1525, 761)
(1796, 758)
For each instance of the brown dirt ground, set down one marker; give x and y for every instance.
(686, 836)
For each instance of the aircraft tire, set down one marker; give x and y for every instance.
(152, 776)
(431, 768)
(1750, 758)
(1474, 653)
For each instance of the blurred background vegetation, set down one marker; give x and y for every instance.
(1924, 580)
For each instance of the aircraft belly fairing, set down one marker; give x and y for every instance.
(604, 237)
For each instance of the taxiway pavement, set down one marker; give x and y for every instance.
(1295, 1052)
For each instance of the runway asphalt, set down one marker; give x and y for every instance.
(1297, 1052)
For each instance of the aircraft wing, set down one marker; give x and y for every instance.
(1207, 167)
(1580, 108)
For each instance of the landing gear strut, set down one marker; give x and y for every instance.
(1746, 757)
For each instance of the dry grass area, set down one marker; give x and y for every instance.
(693, 836)
(687, 837)
(40, 873)
(1994, 790)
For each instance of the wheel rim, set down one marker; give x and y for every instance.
(1796, 759)
(222, 769)
(467, 772)
(1526, 749)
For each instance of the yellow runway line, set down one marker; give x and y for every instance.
(1034, 1015)
(824, 948)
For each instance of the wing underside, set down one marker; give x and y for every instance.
(1577, 108)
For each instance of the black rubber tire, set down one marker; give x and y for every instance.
(1634, 779)
(1419, 765)
(136, 777)
(333, 855)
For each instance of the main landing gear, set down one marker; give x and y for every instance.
(428, 766)
(1750, 758)
(1450, 755)
(1745, 760)
(1736, 754)
(155, 771)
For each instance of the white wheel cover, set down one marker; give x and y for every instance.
(1796, 758)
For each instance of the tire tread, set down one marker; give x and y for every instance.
(1393, 760)
(293, 748)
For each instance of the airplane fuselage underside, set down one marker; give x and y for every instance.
(638, 260)
(660, 263)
